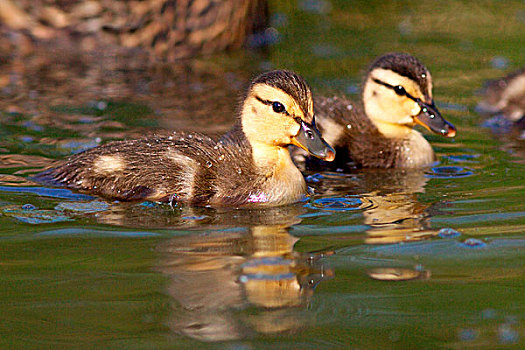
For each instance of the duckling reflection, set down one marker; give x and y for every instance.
(389, 202)
(154, 215)
(397, 214)
(230, 284)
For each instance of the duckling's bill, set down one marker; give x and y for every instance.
(430, 118)
(311, 141)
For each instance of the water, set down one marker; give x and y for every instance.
(427, 258)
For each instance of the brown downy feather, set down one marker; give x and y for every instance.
(507, 96)
(181, 167)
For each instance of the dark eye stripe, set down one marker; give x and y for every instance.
(273, 104)
(398, 89)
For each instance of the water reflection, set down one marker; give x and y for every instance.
(231, 273)
(398, 215)
(83, 106)
(230, 284)
(386, 198)
(397, 274)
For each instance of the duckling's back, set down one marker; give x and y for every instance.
(183, 167)
(161, 169)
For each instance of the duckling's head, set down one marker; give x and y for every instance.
(397, 94)
(278, 111)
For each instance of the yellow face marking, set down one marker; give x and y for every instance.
(395, 79)
(270, 93)
(262, 125)
(106, 165)
(383, 106)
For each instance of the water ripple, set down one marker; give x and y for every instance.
(29, 214)
(458, 158)
(397, 274)
(473, 243)
(83, 207)
(448, 172)
(94, 232)
(448, 233)
(338, 204)
(195, 217)
(498, 124)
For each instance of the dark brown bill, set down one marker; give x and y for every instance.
(311, 141)
(430, 118)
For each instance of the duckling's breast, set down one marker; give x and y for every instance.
(241, 182)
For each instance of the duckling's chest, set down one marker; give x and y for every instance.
(416, 151)
(273, 183)
(283, 184)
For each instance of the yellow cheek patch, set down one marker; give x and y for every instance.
(294, 129)
(105, 165)
(406, 111)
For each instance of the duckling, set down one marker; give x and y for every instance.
(506, 96)
(249, 165)
(166, 29)
(397, 94)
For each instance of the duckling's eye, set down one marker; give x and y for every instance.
(278, 107)
(400, 90)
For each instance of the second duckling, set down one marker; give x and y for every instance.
(506, 96)
(380, 133)
(250, 165)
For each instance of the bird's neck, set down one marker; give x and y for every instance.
(393, 130)
(279, 180)
(265, 156)
(236, 138)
